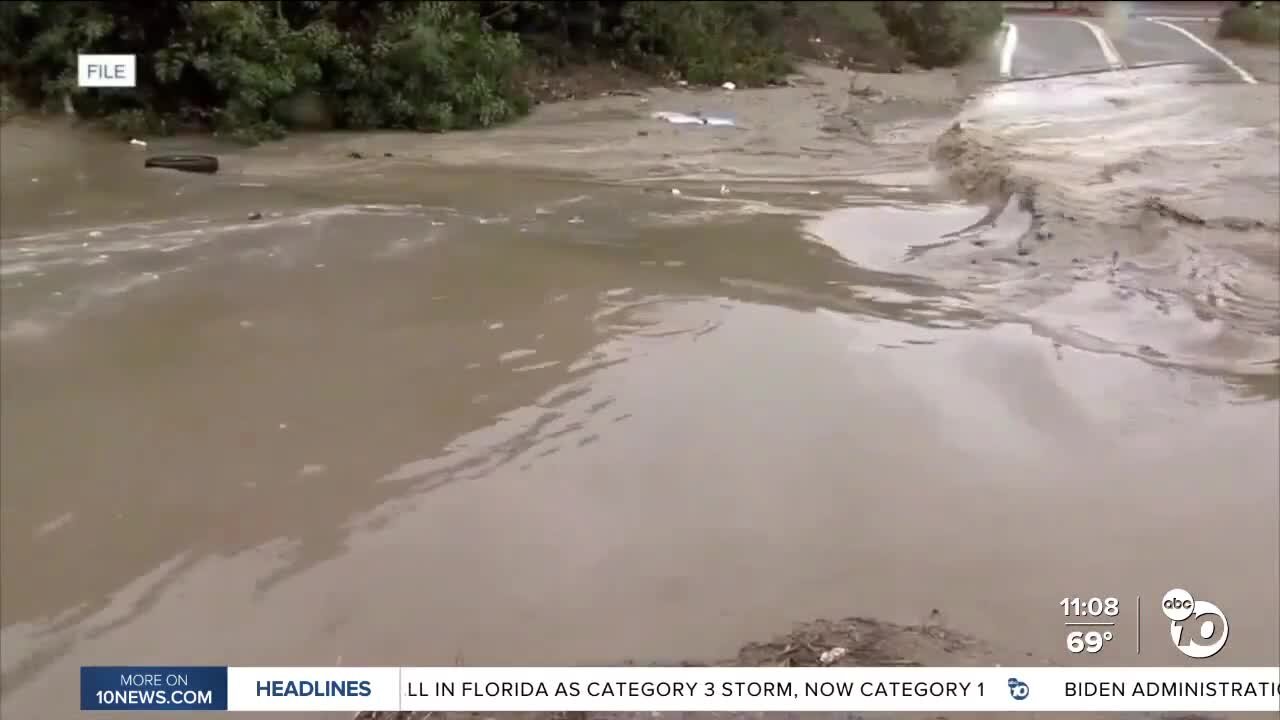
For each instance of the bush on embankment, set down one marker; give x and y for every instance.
(233, 66)
(942, 33)
(253, 69)
(1256, 23)
(8, 103)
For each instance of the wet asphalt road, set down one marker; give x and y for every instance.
(1058, 45)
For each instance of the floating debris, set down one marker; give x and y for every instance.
(676, 118)
(207, 164)
(833, 655)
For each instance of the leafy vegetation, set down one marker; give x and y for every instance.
(1257, 22)
(8, 103)
(851, 33)
(254, 69)
(941, 33)
(235, 66)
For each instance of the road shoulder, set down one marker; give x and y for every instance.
(1259, 60)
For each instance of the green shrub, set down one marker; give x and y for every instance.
(433, 66)
(8, 103)
(253, 69)
(851, 32)
(706, 42)
(234, 66)
(941, 33)
(1257, 23)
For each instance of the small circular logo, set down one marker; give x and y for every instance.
(1177, 604)
(1198, 627)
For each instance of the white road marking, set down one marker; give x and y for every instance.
(1006, 51)
(1108, 50)
(1244, 74)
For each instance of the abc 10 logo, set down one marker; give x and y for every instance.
(1198, 627)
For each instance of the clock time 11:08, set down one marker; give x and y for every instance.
(1090, 607)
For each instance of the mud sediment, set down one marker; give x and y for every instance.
(1158, 186)
(1164, 209)
(976, 166)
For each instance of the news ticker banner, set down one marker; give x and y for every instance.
(564, 689)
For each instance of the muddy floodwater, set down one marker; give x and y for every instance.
(509, 398)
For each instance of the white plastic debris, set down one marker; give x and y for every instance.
(832, 655)
(676, 118)
(683, 83)
(729, 86)
(724, 189)
(136, 141)
(95, 233)
(675, 191)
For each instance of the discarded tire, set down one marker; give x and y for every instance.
(185, 163)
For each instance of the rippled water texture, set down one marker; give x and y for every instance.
(425, 408)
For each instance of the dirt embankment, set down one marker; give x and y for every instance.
(825, 124)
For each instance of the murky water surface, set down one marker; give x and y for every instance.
(421, 411)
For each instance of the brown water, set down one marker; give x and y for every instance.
(464, 402)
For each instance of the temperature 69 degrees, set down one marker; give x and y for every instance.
(1090, 622)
